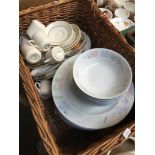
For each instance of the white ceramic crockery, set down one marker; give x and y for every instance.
(119, 3)
(42, 40)
(30, 52)
(77, 111)
(122, 13)
(79, 46)
(34, 27)
(122, 23)
(108, 14)
(44, 72)
(73, 40)
(59, 32)
(55, 55)
(44, 88)
(102, 73)
(130, 6)
(114, 4)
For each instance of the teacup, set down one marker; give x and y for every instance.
(34, 27)
(55, 55)
(42, 40)
(44, 88)
(30, 51)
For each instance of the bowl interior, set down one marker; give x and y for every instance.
(102, 73)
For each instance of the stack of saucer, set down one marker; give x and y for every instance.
(95, 85)
(68, 36)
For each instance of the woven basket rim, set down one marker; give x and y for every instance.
(43, 127)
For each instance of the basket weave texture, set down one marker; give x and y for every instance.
(59, 138)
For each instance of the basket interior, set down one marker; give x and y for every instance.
(70, 140)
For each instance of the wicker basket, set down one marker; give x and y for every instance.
(59, 138)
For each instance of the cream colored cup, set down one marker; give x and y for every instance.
(55, 55)
(30, 52)
(42, 41)
(44, 88)
(34, 27)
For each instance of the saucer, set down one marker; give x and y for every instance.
(73, 40)
(77, 111)
(122, 23)
(59, 32)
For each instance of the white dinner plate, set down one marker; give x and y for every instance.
(79, 112)
(122, 23)
(59, 32)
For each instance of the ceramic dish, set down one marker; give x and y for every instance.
(39, 71)
(87, 44)
(102, 73)
(96, 101)
(79, 47)
(122, 13)
(108, 14)
(59, 32)
(77, 111)
(73, 40)
(122, 23)
(119, 3)
(130, 6)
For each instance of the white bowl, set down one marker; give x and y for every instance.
(102, 73)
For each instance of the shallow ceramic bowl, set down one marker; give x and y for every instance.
(102, 73)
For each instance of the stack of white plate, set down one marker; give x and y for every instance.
(44, 72)
(95, 85)
(68, 36)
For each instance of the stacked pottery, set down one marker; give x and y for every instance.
(121, 13)
(95, 85)
(44, 49)
(69, 37)
(102, 76)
